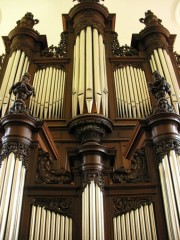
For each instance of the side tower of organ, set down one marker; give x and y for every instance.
(89, 131)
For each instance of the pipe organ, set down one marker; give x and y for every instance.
(90, 142)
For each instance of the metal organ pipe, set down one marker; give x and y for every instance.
(132, 94)
(89, 74)
(17, 65)
(170, 177)
(92, 213)
(12, 178)
(160, 61)
(48, 103)
(49, 225)
(136, 224)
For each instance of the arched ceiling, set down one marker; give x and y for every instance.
(128, 13)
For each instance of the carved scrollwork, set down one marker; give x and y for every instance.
(163, 147)
(46, 172)
(123, 50)
(137, 173)
(60, 50)
(20, 150)
(123, 205)
(95, 176)
(56, 205)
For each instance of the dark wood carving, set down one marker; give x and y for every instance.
(27, 21)
(127, 204)
(2, 57)
(56, 205)
(150, 19)
(60, 50)
(163, 147)
(123, 50)
(137, 173)
(46, 174)
(159, 88)
(20, 150)
(96, 176)
(22, 91)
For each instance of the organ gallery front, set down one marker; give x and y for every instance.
(90, 142)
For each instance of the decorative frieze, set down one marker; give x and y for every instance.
(137, 173)
(47, 174)
(122, 205)
(56, 205)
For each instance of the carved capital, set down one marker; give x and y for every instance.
(46, 174)
(90, 128)
(123, 205)
(57, 205)
(20, 150)
(137, 173)
(96, 176)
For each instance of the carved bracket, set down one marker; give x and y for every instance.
(20, 150)
(137, 173)
(46, 172)
(126, 204)
(56, 205)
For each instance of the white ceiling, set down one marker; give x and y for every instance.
(128, 13)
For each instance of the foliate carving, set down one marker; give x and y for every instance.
(163, 147)
(89, 176)
(22, 91)
(90, 128)
(137, 173)
(126, 204)
(93, 24)
(27, 21)
(159, 88)
(20, 150)
(59, 66)
(121, 51)
(56, 205)
(46, 172)
(60, 50)
(150, 19)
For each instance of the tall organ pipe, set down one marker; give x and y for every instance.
(132, 94)
(89, 73)
(17, 65)
(49, 84)
(160, 61)
(136, 224)
(92, 213)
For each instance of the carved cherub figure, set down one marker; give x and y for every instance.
(22, 89)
